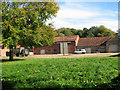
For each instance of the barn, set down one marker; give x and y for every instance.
(99, 44)
(68, 44)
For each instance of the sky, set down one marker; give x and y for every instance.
(79, 15)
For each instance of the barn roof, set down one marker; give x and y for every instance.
(92, 41)
(66, 38)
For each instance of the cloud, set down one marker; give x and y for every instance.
(87, 0)
(78, 16)
(111, 13)
(111, 24)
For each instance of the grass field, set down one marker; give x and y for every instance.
(89, 72)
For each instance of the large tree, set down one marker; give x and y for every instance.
(23, 23)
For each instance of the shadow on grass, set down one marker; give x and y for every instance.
(7, 85)
(115, 84)
(7, 60)
(117, 55)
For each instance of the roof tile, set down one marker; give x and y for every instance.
(92, 41)
(66, 38)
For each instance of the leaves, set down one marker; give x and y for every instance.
(100, 31)
(24, 23)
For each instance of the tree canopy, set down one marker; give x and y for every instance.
(94, 31)
(23, 23)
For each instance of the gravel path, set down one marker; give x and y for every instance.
(74, 55)
(68, 56)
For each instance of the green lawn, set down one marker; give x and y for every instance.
(60, 73)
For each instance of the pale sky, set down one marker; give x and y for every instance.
(79, 15)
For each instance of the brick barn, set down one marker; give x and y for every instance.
(68, 44)
(99, 44)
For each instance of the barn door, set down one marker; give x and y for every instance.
(113, 48)
(88, 50)
(42, 51)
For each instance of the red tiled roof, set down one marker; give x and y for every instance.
(93, 41)
(66, 38)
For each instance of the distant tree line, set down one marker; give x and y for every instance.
(94, 31)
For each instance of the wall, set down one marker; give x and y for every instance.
(102, 49)
(3, 51)
(113, 41)
(48, 49)
(94, 49)
(71, 47)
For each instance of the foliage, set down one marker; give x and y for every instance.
(60, 73)
(0, 37)
(80, 33)
(100, 31)
(23, 23)
(65, 31)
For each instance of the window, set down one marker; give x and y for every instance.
(49, 50)
(79, 48)
(54, 50)
(35, 47)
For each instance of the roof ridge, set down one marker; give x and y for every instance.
(68, 36)
(97, 37)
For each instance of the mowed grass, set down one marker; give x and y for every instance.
(60, 72)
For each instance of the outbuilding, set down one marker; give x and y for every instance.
(68, 44)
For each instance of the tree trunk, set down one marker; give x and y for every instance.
(11, 53)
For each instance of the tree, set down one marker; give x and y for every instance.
(94, 30)
(74, 31)
(103, 31)
(85, 32)
(24, 23)
(80, 33)
(65, 31)
(90, 34)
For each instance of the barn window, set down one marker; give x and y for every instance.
(49, 50)
(35, 47)
(54, 50)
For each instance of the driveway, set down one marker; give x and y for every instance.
(73, 55)
(68, 56)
